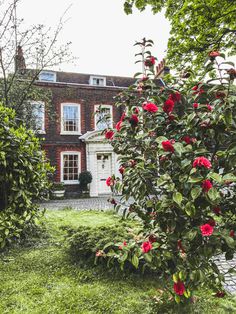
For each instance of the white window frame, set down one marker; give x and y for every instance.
(96, 107)
(97, 77)
(62, 168)
(42, 103)
(45, 72)
(63, 132)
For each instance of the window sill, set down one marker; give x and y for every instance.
(70, 182)
(70, 133)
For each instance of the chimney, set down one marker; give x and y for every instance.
(162, 69)
(19, 61)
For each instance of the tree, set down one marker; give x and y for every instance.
(24, 53)
(197, 27)
(23, 176)
(177, 154)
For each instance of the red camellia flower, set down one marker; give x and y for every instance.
(231, 233)
(152, 238)
(118, 125)
(209, 107)
(150, 107)
(134, 120)
(167, 146)
(109, 134)
(220, 294)
(109, 181)
(179, 287)
(211, 222)
(195, 105)
(202, 162)
(175, 97)
(187, 139)
(122, 170)
(168, 106)
(217, 210)
(150, 61)
(206, 185)
(146, 246)
(123, 116)
(206, 230)
(136, 110)
(214, 54)
(195, 87)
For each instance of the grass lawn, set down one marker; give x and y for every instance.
(40, 278)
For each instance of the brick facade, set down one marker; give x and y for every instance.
(75, 88)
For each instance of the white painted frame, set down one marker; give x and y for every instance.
(97, 77)
(42, 103)
(96, 107)
(44, 72)
(69, 182)
(64, 104)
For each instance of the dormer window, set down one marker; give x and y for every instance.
(47, 76)
(97, 81)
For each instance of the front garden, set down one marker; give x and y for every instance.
(40, 275)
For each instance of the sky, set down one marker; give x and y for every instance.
(102, 35)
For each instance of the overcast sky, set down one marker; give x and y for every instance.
(102, 35)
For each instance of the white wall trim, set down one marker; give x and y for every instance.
(79, 166)
(73, 104)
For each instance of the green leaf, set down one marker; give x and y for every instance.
(230, 242)
(148, 257)
(175, 278)
(177, 298)
(215, 176)
(228, 117)
(195, 192)
(123, 257)
(195, 179)
(177, 197)
(229, 177)
(213, 194)
(190, 209)
(135, 261)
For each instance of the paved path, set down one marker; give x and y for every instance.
(97, 203)
(101, 203)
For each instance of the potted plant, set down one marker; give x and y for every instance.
(85, 178)
(58, 190)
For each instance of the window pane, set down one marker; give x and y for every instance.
(70, 167)
(103, 119)
(70, 118)
(38, 115)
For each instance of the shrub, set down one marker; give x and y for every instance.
(85, 177)
(23, 176)
(87, 244)
(176, 146)
(58, 186)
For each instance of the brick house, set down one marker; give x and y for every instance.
(72, 134)
(71, 130)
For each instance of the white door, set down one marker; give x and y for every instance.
(103, 171)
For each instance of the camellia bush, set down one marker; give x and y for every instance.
(177, 151)
(23, 177)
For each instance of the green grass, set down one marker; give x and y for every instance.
(42, 279)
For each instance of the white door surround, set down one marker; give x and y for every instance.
(101, 161)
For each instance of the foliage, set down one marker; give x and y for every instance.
(85, 177)
(177, 155)
(23, 176)
(84, 243)
(58, 186)
(197, 27)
